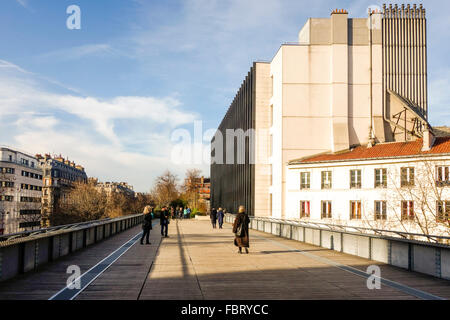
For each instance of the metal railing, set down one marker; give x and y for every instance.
(25, 251)
(362, 230)
(397, 248)
(38, 233)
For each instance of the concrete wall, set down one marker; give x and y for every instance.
(22, 256)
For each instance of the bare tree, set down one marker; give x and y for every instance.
(416, 201)
(83, 203)
(165, 190)
(190, 186)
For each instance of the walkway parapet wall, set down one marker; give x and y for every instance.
(431, 258)
(26, 251)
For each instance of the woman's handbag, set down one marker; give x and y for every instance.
(239, 230)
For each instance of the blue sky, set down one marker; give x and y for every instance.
(109, 96)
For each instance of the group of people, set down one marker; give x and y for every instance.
(147, 224)
(240, 225)
(217, 216)
(181, 213)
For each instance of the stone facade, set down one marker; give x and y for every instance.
(20, 191)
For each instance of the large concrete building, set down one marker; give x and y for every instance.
(20, 191)
(347, 82)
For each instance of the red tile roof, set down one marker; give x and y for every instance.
(383, 150)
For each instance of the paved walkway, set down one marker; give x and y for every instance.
(198, 262)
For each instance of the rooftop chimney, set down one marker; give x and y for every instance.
(428, 139)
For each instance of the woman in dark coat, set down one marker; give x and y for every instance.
(241, 223)
(147, 224)
(213, 217)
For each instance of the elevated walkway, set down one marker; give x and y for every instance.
(198, 262)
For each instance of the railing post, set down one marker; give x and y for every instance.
(1, 262)
(21, 257)
(36, 254)
(70, 242)
(84, 245)
(390, 252)
(410, 257)
(438, 263)
(50, 248)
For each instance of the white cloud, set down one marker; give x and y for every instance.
(74, 53)
(123, 138)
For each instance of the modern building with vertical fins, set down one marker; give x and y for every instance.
(347, 82)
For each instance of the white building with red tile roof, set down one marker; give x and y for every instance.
(390, 186)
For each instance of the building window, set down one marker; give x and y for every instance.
(305, 209)
(7, 184)
(355, 210)
(326, 210)
(326, 180)
(30, 212)
(442, 176)
(6, 198)
(380, 178)
(355, 179)
(7, 170)
(380, 210)
(407, 210)
(305, 180)
(443, 211)
(30, 224)
(30, 199)
(407, 177)
(10, 158)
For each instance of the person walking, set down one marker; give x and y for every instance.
(184, 213)
(164, 221)
(220, 216)
(147, 225)
(213, 217)
(188, 213)
(240, 229)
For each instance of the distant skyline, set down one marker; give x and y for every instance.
(110, 95)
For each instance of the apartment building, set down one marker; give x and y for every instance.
(114, 187)
(20, 191)
(59, 176)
